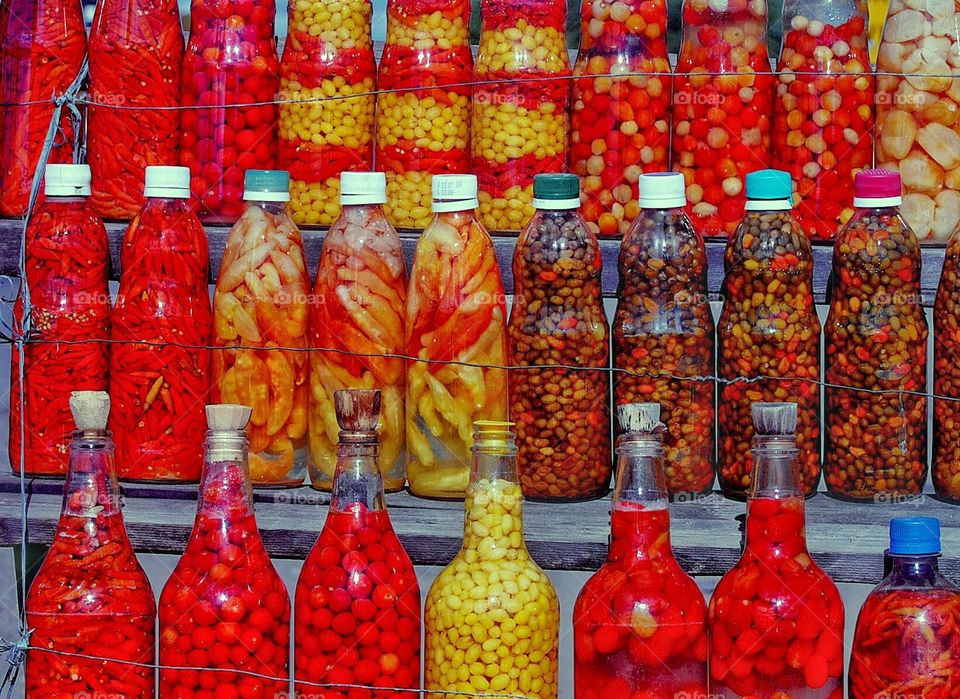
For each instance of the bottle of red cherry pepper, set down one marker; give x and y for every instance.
(776, 619)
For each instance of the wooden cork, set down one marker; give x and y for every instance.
(90, 410)
(774, 418)
(358, 410)
(228, 417)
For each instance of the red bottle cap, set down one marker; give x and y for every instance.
(873, 188)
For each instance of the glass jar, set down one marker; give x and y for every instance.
(356, 319)
(66, 261)
(260, 301)
(224, 606)
(907, 641)
(946, 376)
(160, 327)
(456, 329)
(90, 596)
(522, 607)
(639, 623)
(918, 133)
(423, 109)
(229, 115)
(768, 337)
(876, 339)
(620, 124)
(562, 416)
(327, 90)
(776, 619)
(42, 46)
(663, 331)
(722, 108)
(358, 600)
(133, 120)
(519, 124)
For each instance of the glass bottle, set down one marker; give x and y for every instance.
(327, 90)
(557, 318)
(356, 318)
(66, 259)
(456, 312)
(946, 376)
(136, 55)
(722, 108)
(663, 330)
(260, 301)
(639, 623)
(620, 120)
(768, 336)
(160, 327)
(907, 641)
(823, 109)
(224, 607)
(776, 619)
(229, 116)
(42, 45)
(423, 109)
(492, 579)
(876, 339)
(357, 599)
(519, 124)
(90, 596)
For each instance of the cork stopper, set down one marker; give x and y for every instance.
(358, 410)
(774, 418)
(228, 417)
(90, 410)
(639, 417)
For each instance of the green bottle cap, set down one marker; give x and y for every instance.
(556, 190)
(266, 185)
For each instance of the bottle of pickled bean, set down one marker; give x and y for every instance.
(327, 89)
(946, 376)
(492, 584)
(260, 306)
(229, 115)
(161, 328)
(224, 606)
(663, 330)
(776, 619)
(823, 109)
(423, 109)
(639, 624)
(768, 337)
(42, 47)
(722, 108)
(907, 641)
(67, 255)
(357, 599)
(876, 351)
(562, 416)
(136, 54)
(620, 120)
(456, 312)
(356, 324)
(519, 124)
(90, 596)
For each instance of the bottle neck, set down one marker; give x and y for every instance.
(493, 521)
(776, 522)
(225, 489)
(357, 479)
(775, 462)
(914, 571)
(274, 208)
(640, 519)
(91, 487)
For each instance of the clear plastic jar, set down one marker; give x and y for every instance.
(946, 376)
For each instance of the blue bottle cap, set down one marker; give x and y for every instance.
(769, 185)
(914, 536)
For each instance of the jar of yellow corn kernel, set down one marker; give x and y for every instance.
(327, 92)
(519, 125)
(492, 616)
(423, 109)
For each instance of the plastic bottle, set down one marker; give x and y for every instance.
(946, 376)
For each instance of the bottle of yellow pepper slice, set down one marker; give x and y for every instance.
(456, 330)
(260, 322)
(492, 617)
(356, 317)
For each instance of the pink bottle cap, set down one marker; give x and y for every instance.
(873, 188)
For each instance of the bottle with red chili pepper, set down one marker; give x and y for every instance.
(357, 599)
(224, 607)
(42, 47)
(639, 623)
(161, 327)
(768, 337)
(90, 596)
(562, 416)
(907, 642)
(946, 376)
(229, 120)
(66, 273)
(876, 353)
(136, 51)
(776, 619)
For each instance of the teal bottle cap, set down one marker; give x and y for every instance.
(266, 185)
(769, 190)
(914, 536)
(556, 190)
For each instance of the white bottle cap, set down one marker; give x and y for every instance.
(363, 188)
(62, 180)
(166, 182)
(454, 193)
(662, 190)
